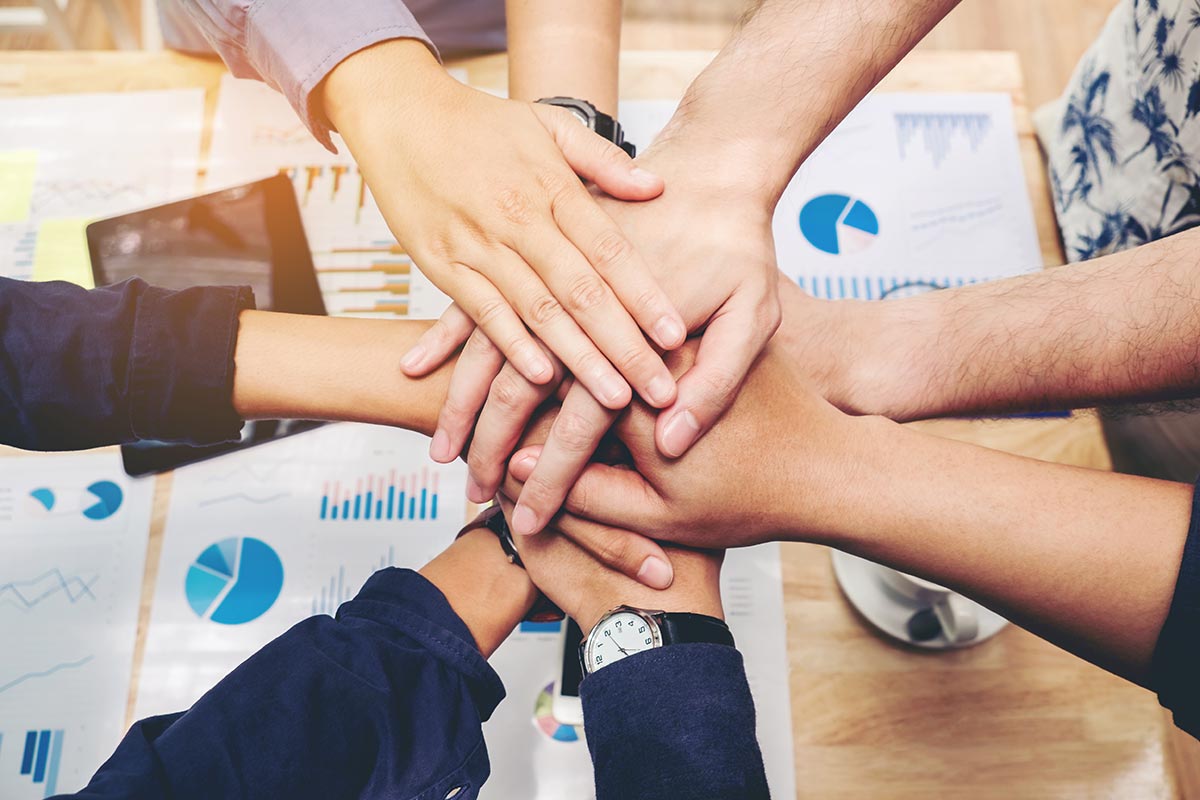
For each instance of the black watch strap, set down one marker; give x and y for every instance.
(684, 628)
(600, 123)
(492, 518)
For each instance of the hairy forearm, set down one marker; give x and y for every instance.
(1120, 329)
(790, 74)
(301, 367)
(564, 48)
(1086, 559)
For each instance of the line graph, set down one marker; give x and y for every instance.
(245, 498)
(44, 673)
(26, 595)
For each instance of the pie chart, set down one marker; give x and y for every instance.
(234, 581)
(838, 224)
(107, 496)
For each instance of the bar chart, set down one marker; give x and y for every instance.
(382, 496)
(41, 758)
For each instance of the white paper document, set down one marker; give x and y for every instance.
(66, 160)
(535, 757)
(362, 270)
(911, 193)
(258, 540)
(73, 533)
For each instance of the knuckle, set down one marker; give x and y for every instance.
(507, 392)
(478, 344)
(616, 549)
(557, 186)
(610, 249)
(491, 311)
(586, 293)
(544, 310)
(635, 359)
(574, 432)
(719, 383)
(514, 206)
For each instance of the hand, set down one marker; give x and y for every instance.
(714, 253)
(771, 468)
(585, 588)
(484, 193)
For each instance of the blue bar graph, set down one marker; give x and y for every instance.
(411, 497)
(42, 758)
(554, 626)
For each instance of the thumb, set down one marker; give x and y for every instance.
(597, 160)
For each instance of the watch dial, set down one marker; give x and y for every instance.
(617, 637)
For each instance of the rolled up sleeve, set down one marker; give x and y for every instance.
(129, 361)
(293, 44)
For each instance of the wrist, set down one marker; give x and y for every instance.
(734, 172)
(359, 88)
(489, 594)
(696, 590)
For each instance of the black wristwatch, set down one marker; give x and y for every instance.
(596, 121)
(492, 518)
(626, 630)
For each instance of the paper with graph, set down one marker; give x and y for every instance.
(361, 269)
(140, 149)
(535, 757)
(912, 192)
(258, 540)
(73, 533)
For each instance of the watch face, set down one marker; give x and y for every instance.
(618, 636)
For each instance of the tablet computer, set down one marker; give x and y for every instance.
(245, 235)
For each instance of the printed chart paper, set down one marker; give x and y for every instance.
(911, 193)
(141, 149)
(258, 540)
(363, 272)
(534, 757)
(73, 532)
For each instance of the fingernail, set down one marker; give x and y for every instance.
(414, 357)
(524, 521)
(475, 492)
(660, 391)
(612, 390)
(439, 447)
(537, 364)
(525, 463)
(642, 175)
(680, 432)
(655, 573)
(669, 332)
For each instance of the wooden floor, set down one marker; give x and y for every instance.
(1049, 35)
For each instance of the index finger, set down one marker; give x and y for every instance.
(577, 430)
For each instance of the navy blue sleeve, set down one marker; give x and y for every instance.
(673, 722)
(130, 361)
(1176, 661)
(386, 700)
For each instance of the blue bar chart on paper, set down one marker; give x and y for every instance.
(40, 759)
(391, 496)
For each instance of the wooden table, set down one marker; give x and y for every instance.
(1013, 717)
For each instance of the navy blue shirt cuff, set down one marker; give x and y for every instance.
(674, 722)
(1176, 661)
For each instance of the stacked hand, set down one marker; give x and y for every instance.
(713, 254)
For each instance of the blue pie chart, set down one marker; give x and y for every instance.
(838, 224)
(108, 497)
(234, 581)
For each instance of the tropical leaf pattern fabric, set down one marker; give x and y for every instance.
(1123, 142)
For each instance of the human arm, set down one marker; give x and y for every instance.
(676, 721)
(1118, 329)
(386, 699)
(1084, 558)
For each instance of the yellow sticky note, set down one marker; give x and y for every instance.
(17, 171)
(61, 253)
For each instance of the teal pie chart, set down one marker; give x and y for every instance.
(838, 224)
(107, 496)
(234, 581)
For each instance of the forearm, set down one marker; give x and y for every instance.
(301, 367)
(1124, 328)
(1086, 559)
(790, 74)
(570, 49)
